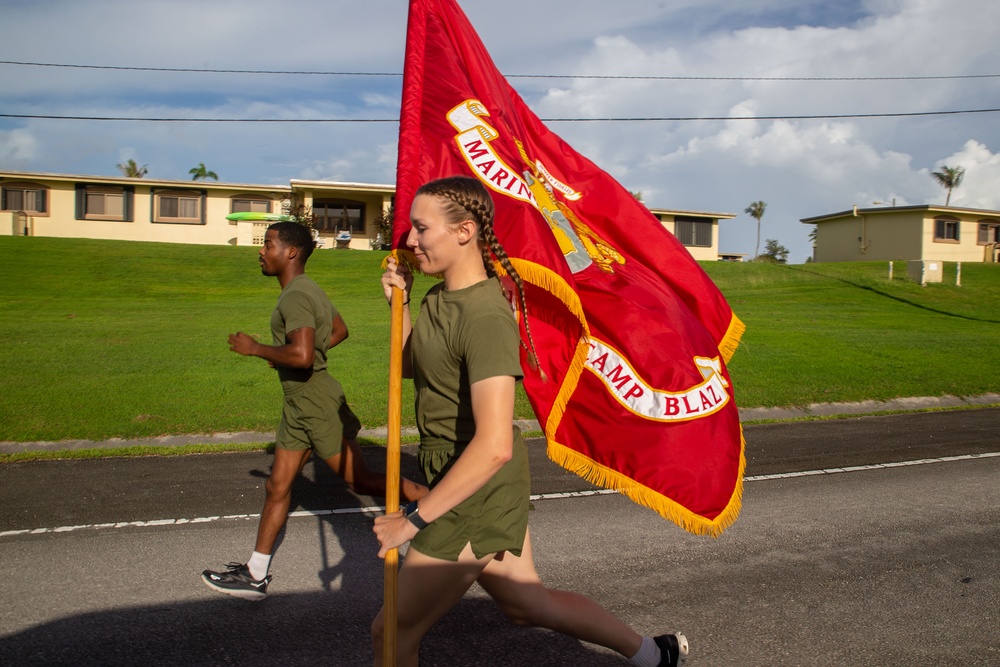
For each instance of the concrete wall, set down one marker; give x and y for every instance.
(966, 250)
(899, 234)
(869, 237)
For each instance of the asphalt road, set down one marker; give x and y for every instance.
(876, 565)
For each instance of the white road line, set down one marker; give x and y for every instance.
(874, 466)
(378, 509)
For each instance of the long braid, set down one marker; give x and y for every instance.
(498, 251)
(466, 196)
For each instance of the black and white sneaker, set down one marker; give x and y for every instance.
(237, 581)
(673, 649)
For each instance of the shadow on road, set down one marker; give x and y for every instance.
(316, 489)
(330, 627)
(300, 629)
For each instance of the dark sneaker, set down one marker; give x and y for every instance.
(237, 581)
(673, 649)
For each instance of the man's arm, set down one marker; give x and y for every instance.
(298, 352)
(338, 332)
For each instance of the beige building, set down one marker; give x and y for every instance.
(938, 233)
(146, 209)
(697, 230)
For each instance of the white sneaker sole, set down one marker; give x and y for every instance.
(682, 649)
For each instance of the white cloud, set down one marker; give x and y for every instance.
(800, 167)
(18, 147)
(982, 175)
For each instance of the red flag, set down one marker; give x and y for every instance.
(631, 333)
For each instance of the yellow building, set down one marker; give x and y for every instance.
(697, 230)
(936, 233)
(147, 209)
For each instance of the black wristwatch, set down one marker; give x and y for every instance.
(412, 515)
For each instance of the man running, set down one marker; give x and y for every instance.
(316, 417)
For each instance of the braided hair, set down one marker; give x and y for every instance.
(464, 198)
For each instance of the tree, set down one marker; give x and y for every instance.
(756, 211)
(200, 173)
(297, 209)
(132, 170)
(773, 252)
(949, 178)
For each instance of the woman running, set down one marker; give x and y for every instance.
(463, 356)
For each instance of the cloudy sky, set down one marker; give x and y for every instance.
(747, 53)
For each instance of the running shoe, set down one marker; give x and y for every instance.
(673, 649)
(237, 581)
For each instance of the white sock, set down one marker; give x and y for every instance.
(648, 654)
(258, 565)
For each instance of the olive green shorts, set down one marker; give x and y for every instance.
(317, 416)
(493, 519)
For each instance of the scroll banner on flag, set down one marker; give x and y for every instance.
(632, 335)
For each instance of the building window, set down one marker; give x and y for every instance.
(26, 197)
(946, 231)
(989, 232)
(183, 206)
(244, 204)
(338, 215)
(693, 232)
(104, 202)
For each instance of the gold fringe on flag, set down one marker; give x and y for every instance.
(600, 475)
(731, 341)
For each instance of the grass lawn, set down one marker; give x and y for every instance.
(842, 332)
(121, 339)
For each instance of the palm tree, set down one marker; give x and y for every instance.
(756, 211)
(950, 178)
(200, 173)
(131, 170)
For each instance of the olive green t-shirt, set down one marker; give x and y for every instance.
(302, 303)
(460, 337)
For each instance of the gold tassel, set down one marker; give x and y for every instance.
(603, 476)
(731, 340)
(405, 258)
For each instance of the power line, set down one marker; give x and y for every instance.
(547, 120)
(510, 76)
(196, 70)
(804, 117)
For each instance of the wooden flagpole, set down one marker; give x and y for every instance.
(392, 473)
